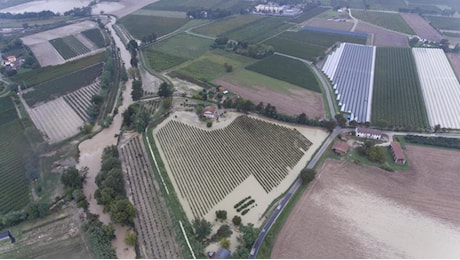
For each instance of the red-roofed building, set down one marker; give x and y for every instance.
(368, 133)
(340, 147)
(398, 153)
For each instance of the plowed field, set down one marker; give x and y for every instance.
(354, 211)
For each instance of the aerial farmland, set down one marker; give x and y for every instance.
(229, 129)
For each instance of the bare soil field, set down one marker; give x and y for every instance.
(454, 59)
(383, 37)
(300, 101)
(121, 8)
(421, 27)
(330, 24)
(355, 211)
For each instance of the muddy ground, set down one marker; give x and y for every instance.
(355, 211)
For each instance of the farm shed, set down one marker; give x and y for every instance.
(210, 112)
(222, 253)
(340, 147)
(368, 133)
(397, 152)
(7, 235)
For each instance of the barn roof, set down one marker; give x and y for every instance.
(340, 146)
(368, 131)
(397, 151)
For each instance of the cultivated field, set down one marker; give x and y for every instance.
(45, 52)
(136, 25)
(296, 48)
(444, 23)
(382, 37)
(223, 26)
(69, 47)
(56, 120)
(286, 69)
(154, 225)
(421, 27)
(80, 100)
(258, 154)
(259, 30)
(185, 5)
(355, 211)
(287, 98)
(309, 14)
(397, 95)
(391, 21)
(58, 236)
(63, 85)
(330, 24)
(440, 87)
(13, 182)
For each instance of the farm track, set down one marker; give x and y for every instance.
(157, 237)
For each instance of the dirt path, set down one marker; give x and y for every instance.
(90, 156)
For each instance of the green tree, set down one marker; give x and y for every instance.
(221, 214)
(165, 90)
(202, 228)
(236, 220)
(137, 91)
(122, 212)
(167, 102)
(71, 178)
(376, 153)
(307, 175)
(225, 243)
(248, 235)
(131, 238)
(341, 120)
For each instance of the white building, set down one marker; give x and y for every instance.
(368, 133)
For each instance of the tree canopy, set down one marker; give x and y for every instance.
(202, 228)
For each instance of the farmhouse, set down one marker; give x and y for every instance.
(340, 147)
(397, 152)
(368, 133)
(210, 112)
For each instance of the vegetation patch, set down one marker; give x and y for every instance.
(95, 36)
(296, 48)
(143, 25)
(308, 14)
(69, 47)
(160, 61)
(452, 143)
(397, 95)
(63, 85)
(286, 69)
(183, 46)
(258, 30)
(444, 23)
(37, 76)
(324, 39)
(186, 5)
(14, 184)
(392, 21)
(220, 27)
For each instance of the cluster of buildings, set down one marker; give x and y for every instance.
(12, 62)
(341, 147)
(275, 9)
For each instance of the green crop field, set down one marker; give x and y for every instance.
(308, 14)
(63, 85)
(392, 5)
(397, 95)
(392, 21)
(259, 29)
(321, 39)
(186, 5)
(183, 45)
(37, 76)
(444, 23)
(211, 66)
(160, 61)
(160, 13)
(220, 27)
(286, 69)
(296, 48)
(69, 47)
(142, 25)
(95, 36)
(13, 183)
